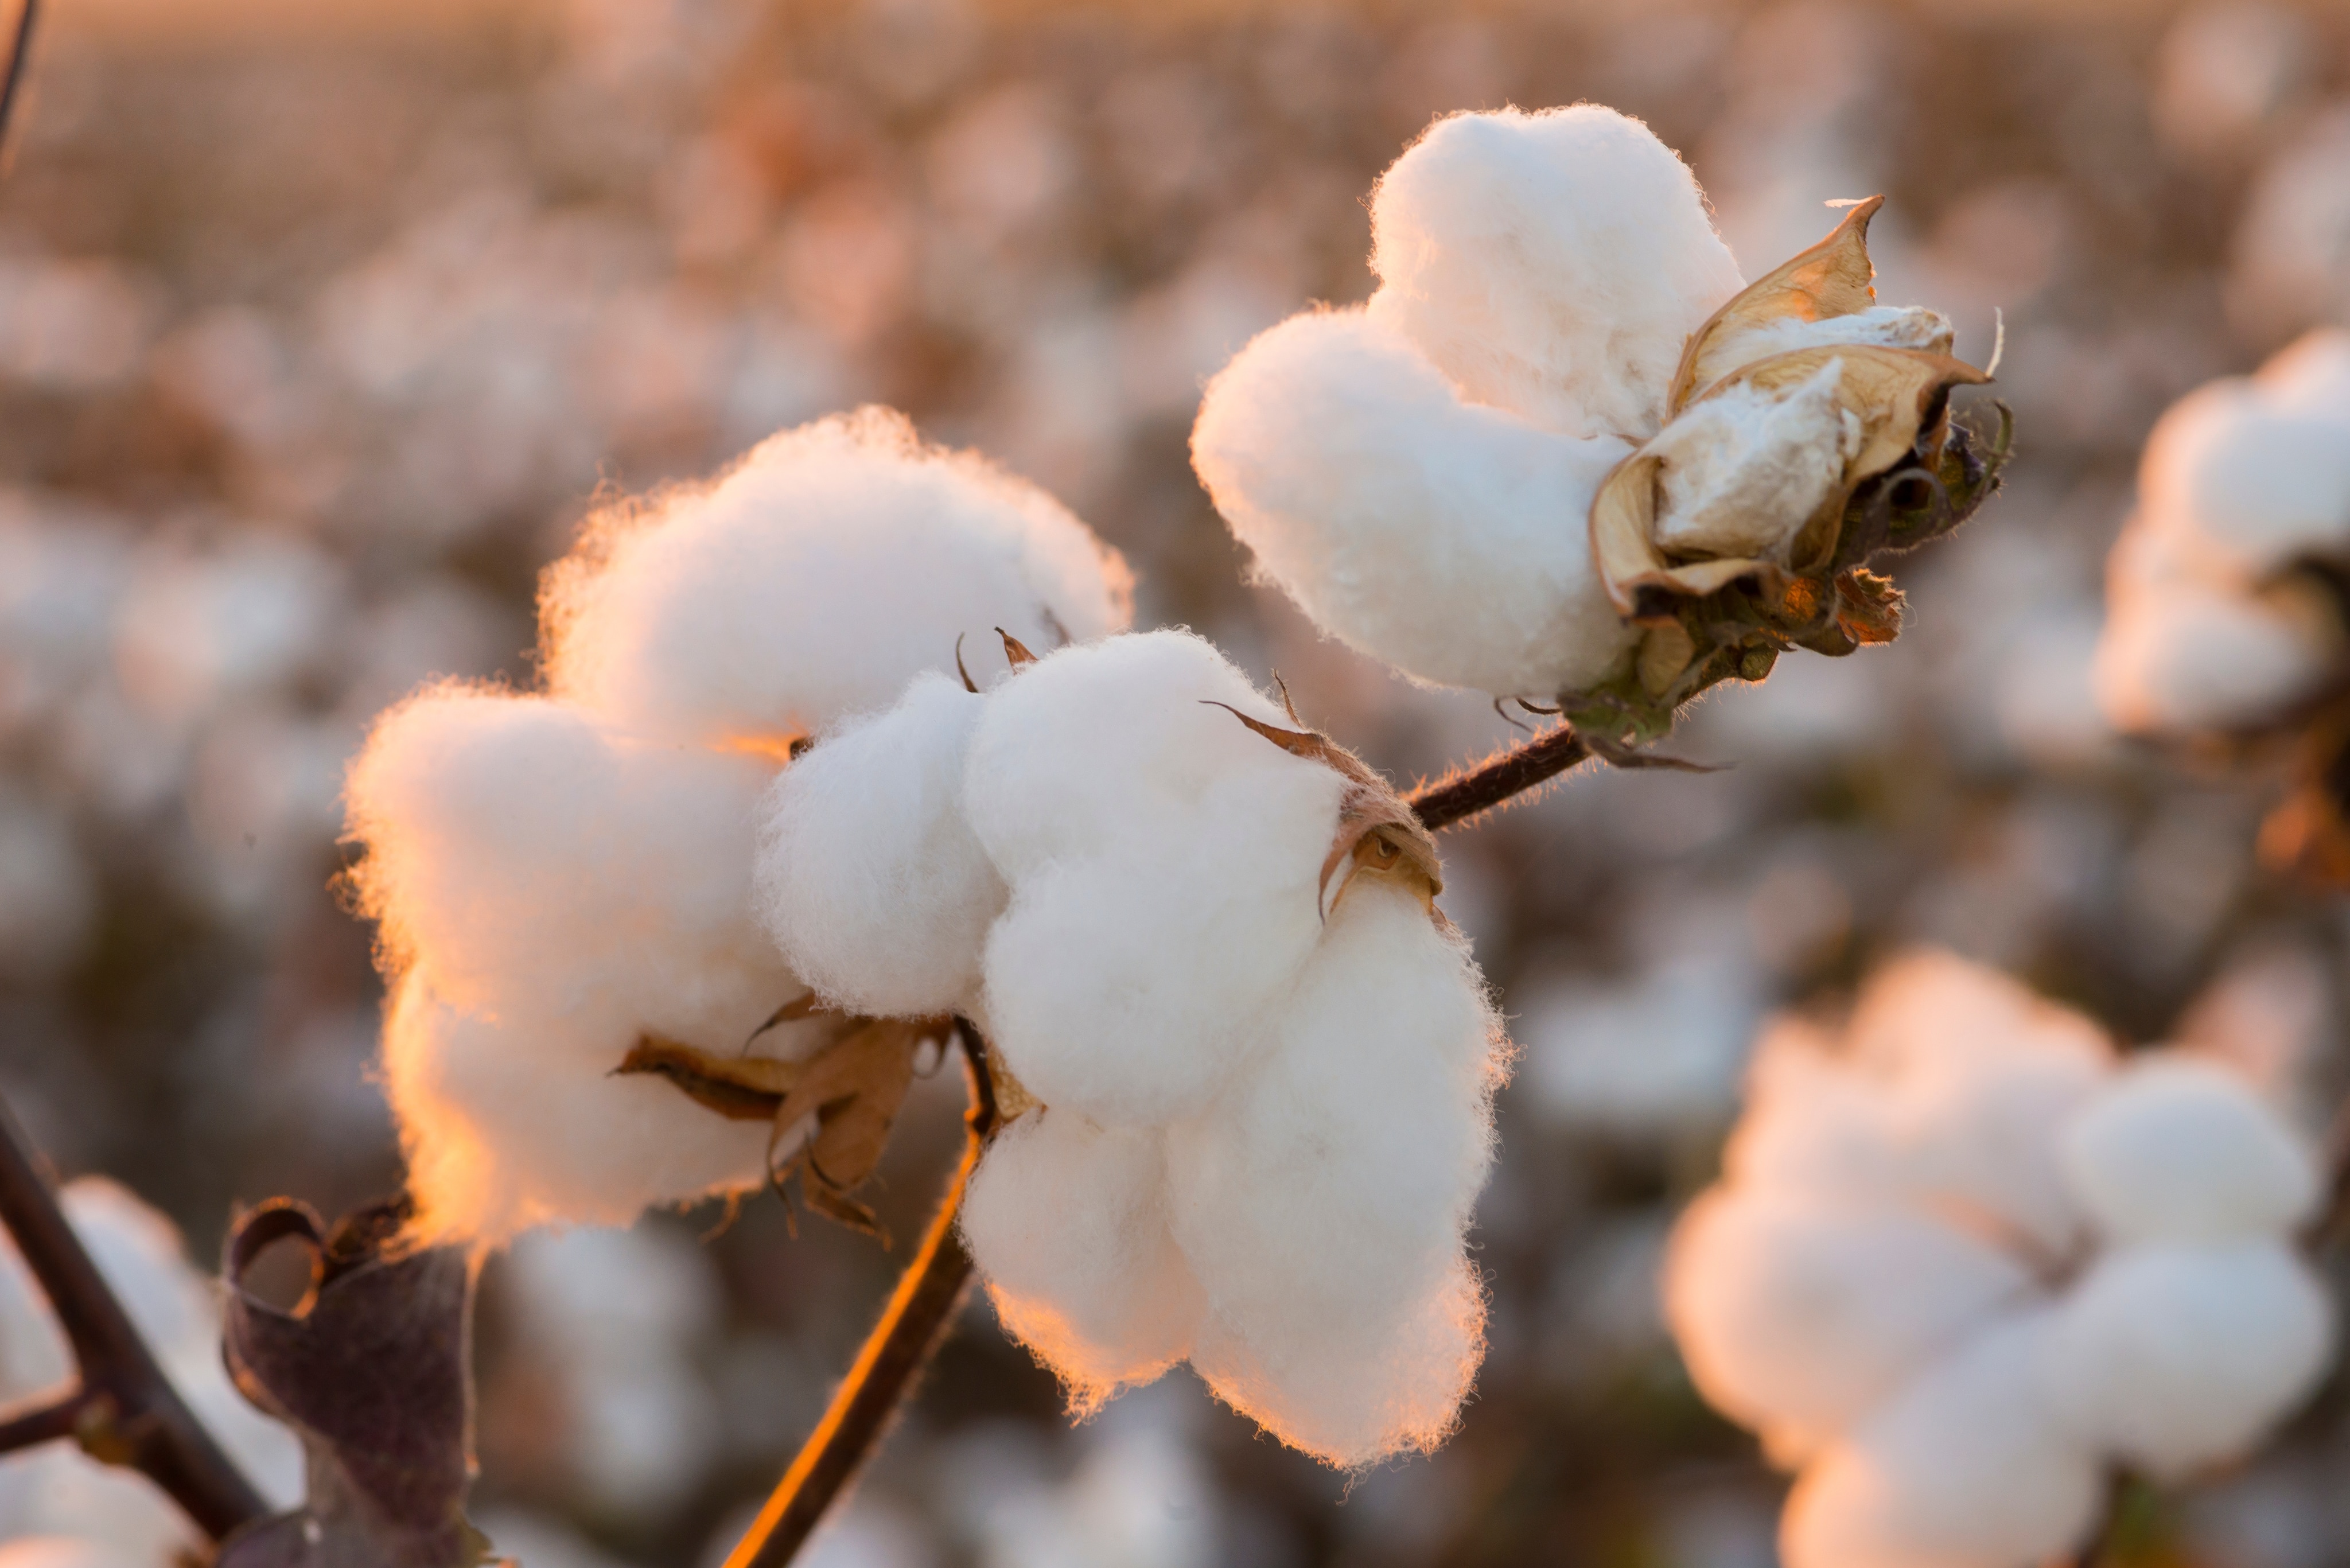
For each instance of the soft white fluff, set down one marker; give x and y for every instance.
(1418, 474)
(1262, 1130)
(867, 874)
(556, 876)
(813, 579)
(1743, 470)
(1445, 536)
(1961, 1261)
(2208, 627)
(1551, 264)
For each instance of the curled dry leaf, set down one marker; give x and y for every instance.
(372, 1371)
(1379, 834)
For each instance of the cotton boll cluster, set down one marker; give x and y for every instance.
(1559, 335)
(556, 877)
(2212, 624)
(1264, 1086)
(1963, 1261)
(58, 1506)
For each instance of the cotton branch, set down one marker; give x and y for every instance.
(121, 1408)
(1462, 795)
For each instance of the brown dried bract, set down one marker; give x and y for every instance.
(1834, 277)
(1378, 834)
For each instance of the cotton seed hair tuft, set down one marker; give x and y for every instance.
(557, 877)
(1265, 1079)
(1560, 430)
(1963, 1261)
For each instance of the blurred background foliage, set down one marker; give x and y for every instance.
(322, 324)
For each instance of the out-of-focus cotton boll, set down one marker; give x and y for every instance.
(1797, 1318)
(867, 877)
(2183, 1151)
(551, 891)
(1962, 1260)
(1414, 527)
(615, 1317)
(195, 628)
(1744, 469)
(2195, 660)
(1968, 1467)
(1070, 1219)
(1550, 264)
(69, 1552)
(2251, 477)
(833, 563)
(1141, 1498)
(1263, 1118)
(2175, 1358)
(86, 1511)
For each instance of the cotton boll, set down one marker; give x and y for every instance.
(1068, 1222)
(1442, 536)
(1322, 1203)
(1551, 264)
(1745, 470)
(868, 877)
(1811, 1124)
(2179, 1356)
(2200, 660)
(2311, 375)
(67, 1551)
(1883, 326)
(2257, 486)
(1968, 1467)
(2181, 1149)
(832, 564)
(1796, 1315)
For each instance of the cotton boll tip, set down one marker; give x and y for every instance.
(2181, 1149)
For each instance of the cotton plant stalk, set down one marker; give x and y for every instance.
(1965, 1261)
(561, 878)
(1247, 1063)
(2225, 593)
(1563, 454)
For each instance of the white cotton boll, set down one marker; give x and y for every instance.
(1745, 470)
(868, 877)
(2176, 1357)
(1068, 1222)
(834, 563)
(1444, 538)
(1811, 1124)
(1322, 1203)
(2187, 660)
(1967, 1468)
(1882, 326)
(1551, 264)
(2257, 486)
(1797, 1314)
(2182, 1150)
(2311, 375)
(69, 1552)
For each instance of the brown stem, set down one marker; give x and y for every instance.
(1464, 794)
(19, 53)
(911, 1329)
(123, 1408)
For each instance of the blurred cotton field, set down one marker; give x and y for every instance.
(322, 328)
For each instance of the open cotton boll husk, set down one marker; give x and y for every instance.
(868, 877)
(2175, 1358)
(1967, 1468)
(547, 892)
(814, 578)
(2182, 1150)
(1416, 528)
(1741, 472)
(1796, 1314)
(1069, 1223)
(1323, 1202)
(1882, 326)
(1551, 264)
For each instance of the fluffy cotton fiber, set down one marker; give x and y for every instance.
(2208, 624)
(1262, 1130)
(1962, 1261)
(1417, 475)
(556, 875)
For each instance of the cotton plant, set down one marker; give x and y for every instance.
(1565, 455)
(1248, 1063)
(2225, 618)
(61, 1508)
(1965, 1262)
(561, 875)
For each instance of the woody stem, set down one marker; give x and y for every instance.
(1464, 794)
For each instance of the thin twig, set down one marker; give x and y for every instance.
(1461, 796)
(911, 1329)
(123, 1408)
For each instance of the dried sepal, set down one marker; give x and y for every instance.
(1378, 834)
(1834, 277)
(1015, 650)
